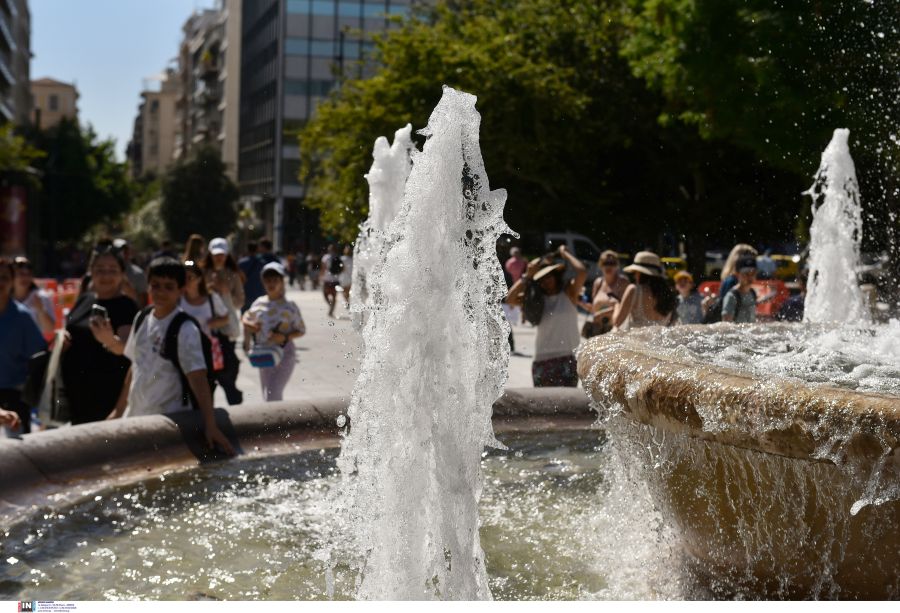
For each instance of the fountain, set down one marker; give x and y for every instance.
(387, 180)
(771, 450)
(436, 359)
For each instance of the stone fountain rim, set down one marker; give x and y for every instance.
(61, 465)
(661, 395)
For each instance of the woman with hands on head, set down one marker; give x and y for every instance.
(275, 320)
(554, 362)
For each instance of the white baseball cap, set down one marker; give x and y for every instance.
(276, 266)
(218, 245)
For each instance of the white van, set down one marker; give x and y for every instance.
(578, 245)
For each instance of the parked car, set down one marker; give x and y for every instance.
(715, 262)
(787, 267)
(673, 265)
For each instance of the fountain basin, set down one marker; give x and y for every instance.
(778, 487)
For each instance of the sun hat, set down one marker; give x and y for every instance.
(546, 270)
(746, 263)
(218, 246)
(609, 257)
(276, 266)
(648, 263)
(683, 274)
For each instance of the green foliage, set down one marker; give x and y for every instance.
(82, 184)
(16, 154)
(145, 228)
(775, 77)
(566, 128)
(198, 197)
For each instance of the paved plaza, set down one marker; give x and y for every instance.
(328, 357)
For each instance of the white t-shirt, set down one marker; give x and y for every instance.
(202, 313)
(347, 275)
(155, 384)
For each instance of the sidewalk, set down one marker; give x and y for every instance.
(328, 360)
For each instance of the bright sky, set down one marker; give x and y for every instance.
(107, 47)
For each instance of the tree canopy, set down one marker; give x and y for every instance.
(198, 197)
(566, 128)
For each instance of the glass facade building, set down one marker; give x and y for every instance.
(290, 51)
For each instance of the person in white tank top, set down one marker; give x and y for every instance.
(554, 362)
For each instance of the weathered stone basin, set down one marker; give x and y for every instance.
(778, 487)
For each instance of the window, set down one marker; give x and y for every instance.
(315, 48)
(54, 102)
(154, 106)
(310, 7)
(374, 10)
(304, 87)
(349, 9)
(154, 147)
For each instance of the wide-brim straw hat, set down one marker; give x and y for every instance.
(648, 263)
(546, 270)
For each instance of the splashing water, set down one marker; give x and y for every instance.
(436, 359)
(387, 179)
(833, 292)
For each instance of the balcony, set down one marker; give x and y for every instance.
(7, 40)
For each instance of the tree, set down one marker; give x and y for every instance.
(566, 129)
(16, 154)
(81, 181)
(199, 197)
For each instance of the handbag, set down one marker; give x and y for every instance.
(217, 355)
(233, 328)
(53, 407)
(265, 356)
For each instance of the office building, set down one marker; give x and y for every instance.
(15, 61)
(289, 51)
(51, 101)
(152, 145)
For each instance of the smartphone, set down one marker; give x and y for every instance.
(99, 312)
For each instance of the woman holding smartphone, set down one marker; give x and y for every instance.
(93, 368)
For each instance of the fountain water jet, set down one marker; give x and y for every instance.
(387, 180)
(436, 358)
(833, 292)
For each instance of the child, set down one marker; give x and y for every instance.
(275, 320)
(690, 302)
(739, 305)
(153, 385)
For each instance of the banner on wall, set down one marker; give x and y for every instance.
(13, 220)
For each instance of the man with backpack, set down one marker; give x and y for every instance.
(171, 360)
(739, 304)
(330, 272)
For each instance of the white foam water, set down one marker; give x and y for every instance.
(387, 180)
(436, 359)
(833, 293)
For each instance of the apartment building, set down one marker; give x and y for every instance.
(208, 78)
(290, 52)
(152, 145)
(15, 61)
(52, 100)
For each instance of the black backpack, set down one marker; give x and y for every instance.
(533, 303)
(714, 313)
(170, 352)
(337, 266)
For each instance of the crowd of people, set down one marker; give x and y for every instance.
(161, 338)
(547, 289)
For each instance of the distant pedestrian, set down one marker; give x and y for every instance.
(93, 366)
(258, 255)
(766, 266)
(649, 301)
(729, 273)
(609, 287)
(346, 276)
(516, 264)
(134, 273)
(690, 301)
(20, 338)
(275, 320)
(557, 338)
(225, 278)
(739, 304)
(195, 250)
(329, 272)
(154, 384)
(302, 266)
(793, 308)
(314, 263)
(165, 250)
(37, 301)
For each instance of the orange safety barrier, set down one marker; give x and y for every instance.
(48, 285)
(768, 309)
